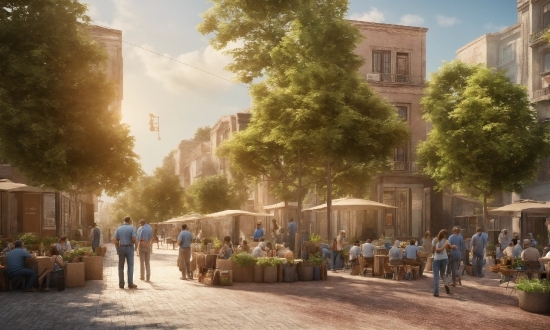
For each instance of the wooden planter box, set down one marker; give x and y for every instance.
(224, 264)
(74, 274)
(243, 274)
(258, 274)
(534, 302)
(270, 274)
(93, 268)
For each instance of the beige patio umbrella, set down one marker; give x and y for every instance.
(234, 213)
(7, 185)
(526, 205)
(350, 203)
(185, 218)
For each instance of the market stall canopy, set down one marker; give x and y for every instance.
(350, 203)
(526, 205)
(281, 205)
(7, 185)
(234, 213)
(185, 218)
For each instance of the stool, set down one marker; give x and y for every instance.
(355, 270)
(398, 271)
(14, 282)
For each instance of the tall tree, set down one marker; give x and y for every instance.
(212, 194)
(485, 136)
(202, 134)
(313, 102)
(54, 100)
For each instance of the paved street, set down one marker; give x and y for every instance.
(343, 302)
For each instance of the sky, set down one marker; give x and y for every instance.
(185, 98)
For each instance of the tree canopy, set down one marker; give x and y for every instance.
(57, 128)
(212, 194)
(312, 102)
(485, 136)
(202, 134)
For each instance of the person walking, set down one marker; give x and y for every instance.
(291, 232)
(184, 241)
(95, 235)
(478, 243)
(440, 259)
(125, 237)
(456, 254)
(144, 237)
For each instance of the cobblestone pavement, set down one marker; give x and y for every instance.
(343, 301)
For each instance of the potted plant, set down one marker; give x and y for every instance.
(316, 261)
(243, 267)
(216, 245)
(74, 269)
(534, 295)
(269, 266)
(31, 241)
(259, 269)
(93, 264)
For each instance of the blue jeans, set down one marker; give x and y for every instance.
(336, 257)
(24, 272)
(438, 268)
(478, 263)
(125, 253)
(328, 254)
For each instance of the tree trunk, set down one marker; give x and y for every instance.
(329, 198)
(485, 212)
(299, 212)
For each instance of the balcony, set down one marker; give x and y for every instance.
(406, 166)
(541, 95)
(391, 78)
(537, 38)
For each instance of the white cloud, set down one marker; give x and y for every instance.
(374, 15)
(411, 20)
(177, 77)
(446, 21)
(493, 27)
(123, 18)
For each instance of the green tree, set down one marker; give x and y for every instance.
(212, 194)
(156, 197)
(312, 103)
(202, 134)
(485, 136)
(54, 100)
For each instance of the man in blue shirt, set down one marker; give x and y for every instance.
(144, 237)
(410, 257)
(125, 235)
(291, 229)
(259, 232)
(16, 265)
(456, 254)
(184, 241)
(95, 236)
(478, 244)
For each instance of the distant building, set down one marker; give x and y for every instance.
(521, 51)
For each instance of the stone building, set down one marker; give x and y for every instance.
(49, 213)
(521, 51)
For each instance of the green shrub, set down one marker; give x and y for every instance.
(315, 238)
(533, 285)
(48, 241)
(267, 262)
(243, 259)
(316, 259)
(30, 239)
(216, 243)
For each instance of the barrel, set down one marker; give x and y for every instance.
(316, 273)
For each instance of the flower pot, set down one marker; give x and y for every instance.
(270, 274)
(279, 273)
(258, 274)
(74, 274)
(306, 273)
(243, 274)
(93, 268)
(534, 302)
(316, 273)
(289, 274)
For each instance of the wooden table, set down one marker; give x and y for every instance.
(39, 264)
(379, 262)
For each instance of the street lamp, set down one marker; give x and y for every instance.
(154, 126)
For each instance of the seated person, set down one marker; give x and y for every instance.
(58, 268)
(354, 253)
(509, 251)
(243, 247)
(327, 253)
(226, 251)
(63, 245)
(530, 255)
(281, 251)
(257, 252)
(16, 265)
(8, 248)
(268, 248)
(395, 254)
(516, 252)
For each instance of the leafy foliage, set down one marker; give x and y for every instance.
(312, 102)
(57, 128)
(29, 239)
(533, 285)
(214, 193)
(268, 262)
(202, 134)
(314, 238)
(316, 259)
(485, 135)
(243, 259)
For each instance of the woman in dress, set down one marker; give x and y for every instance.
(440, 244)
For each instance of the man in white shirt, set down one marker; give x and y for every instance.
(368, 249)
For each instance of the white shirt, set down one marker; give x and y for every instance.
(504, 240)
(257, 252)
(368, 250)
(354, 252)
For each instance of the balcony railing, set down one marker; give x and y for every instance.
(406, 166)
(394, 78)
(537, 36)
(541, 94)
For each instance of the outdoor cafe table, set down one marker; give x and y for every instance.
(39, 264)
(514, 274)
(379, 262)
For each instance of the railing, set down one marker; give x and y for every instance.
(394, 78)
(535, 37)
(406, 166)
(541, 93)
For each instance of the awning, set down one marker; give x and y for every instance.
(354, 204)
(527, 206)
(234, 213)
(281, 205)
(183, 219)
(7, 185)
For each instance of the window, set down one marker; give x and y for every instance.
(546, 15)
(402, 67)
(547, 62)
(403, 113)
(506, 54)
(381, 64)
(401, 153)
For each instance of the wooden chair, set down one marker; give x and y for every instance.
(398, 271)
(364, 263)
